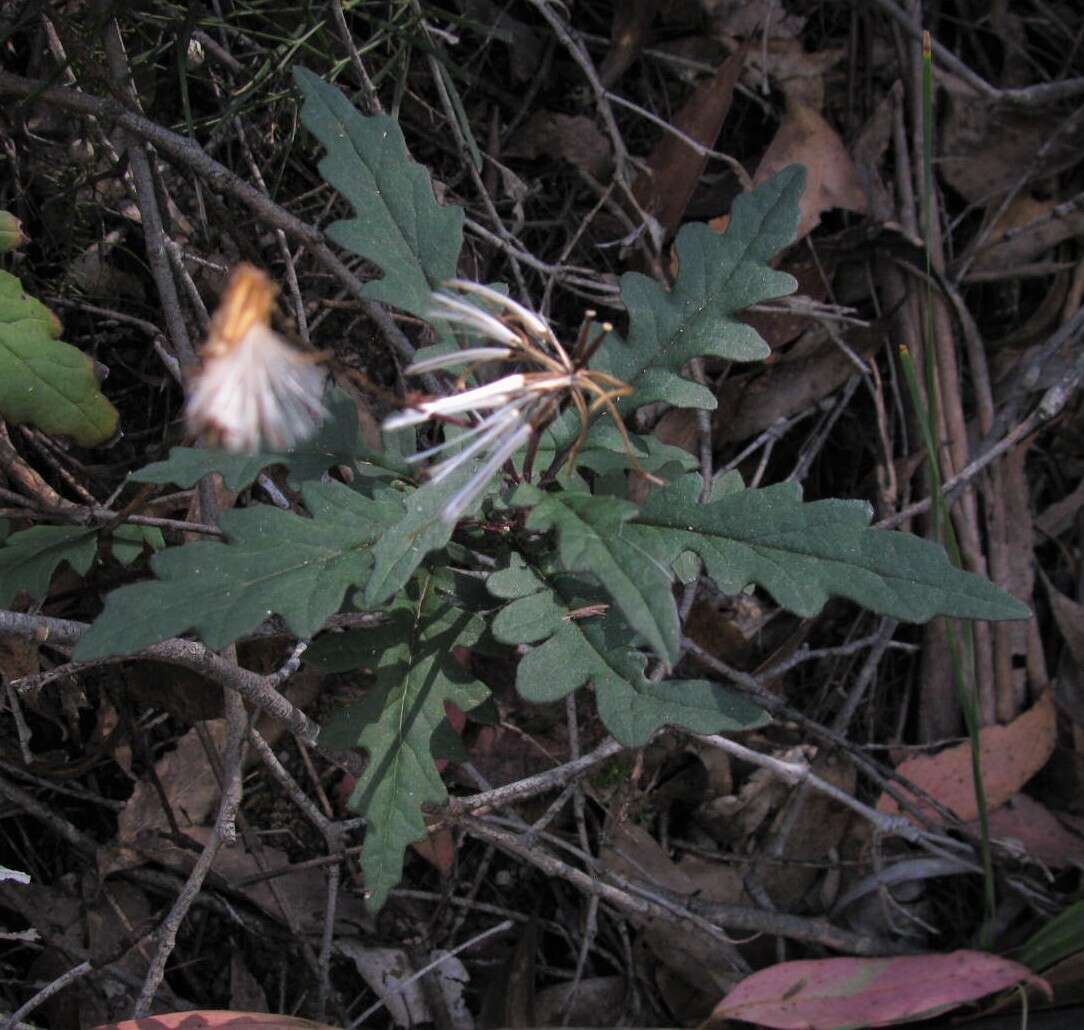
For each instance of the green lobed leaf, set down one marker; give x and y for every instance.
(29, 558)
(804, 553)
(399, 226)
(403, 547)
(45, 382)
(129, 541)
(338, 442)
(275, 562)
(719, 275)
(595, 647)
(590, 532)
(417, 675)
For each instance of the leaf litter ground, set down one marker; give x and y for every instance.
(679, 820)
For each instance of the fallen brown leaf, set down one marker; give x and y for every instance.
(1011, 755)
(832, 181)
(1033, 825)
(673, 167)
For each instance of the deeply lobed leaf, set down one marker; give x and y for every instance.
(719, 275)
(399, 225)
(45, 382)
(417, 676)
(28, 559)
(597, 647)
(804, 553)
(275, 562)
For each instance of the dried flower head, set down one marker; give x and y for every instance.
(520, 404)
(253, 388)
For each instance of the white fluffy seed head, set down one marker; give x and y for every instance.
(253, 389)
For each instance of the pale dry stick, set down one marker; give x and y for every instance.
(589, 933)
(553, 809)
(900, 872)
(776, 431)
(797, 774)
(578, 808)
(372, 101)
(476, 885)
(436, 73)
(653, 893)
(698, 148)
(635, 901)
(146, 198)
(879, 643)
(531, 786)
(1068, 128)
(277, 678)
(22, 474)
(22, 727)
(184, 277)
(373, 1009)
(640, 234)
(579, 54)
(42, 996)
(1052, 403)
(222, 832)
(516, 253)
(1026, 96)
(51, 454)
(806, 654)
(581, 228)
(333, 839)
(887, 482)
(218, 51)
(175, 651)
(103, 515)
(750, 685)
(228, 769)
(280, 237)
(117, 316)
(189, 154)
(813, 445)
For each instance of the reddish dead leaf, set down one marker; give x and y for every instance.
(438, 849)
(210, 1019)
(1011, 755)
(1041, 833)
(830, 993)
(674, 168)
(831, 178)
